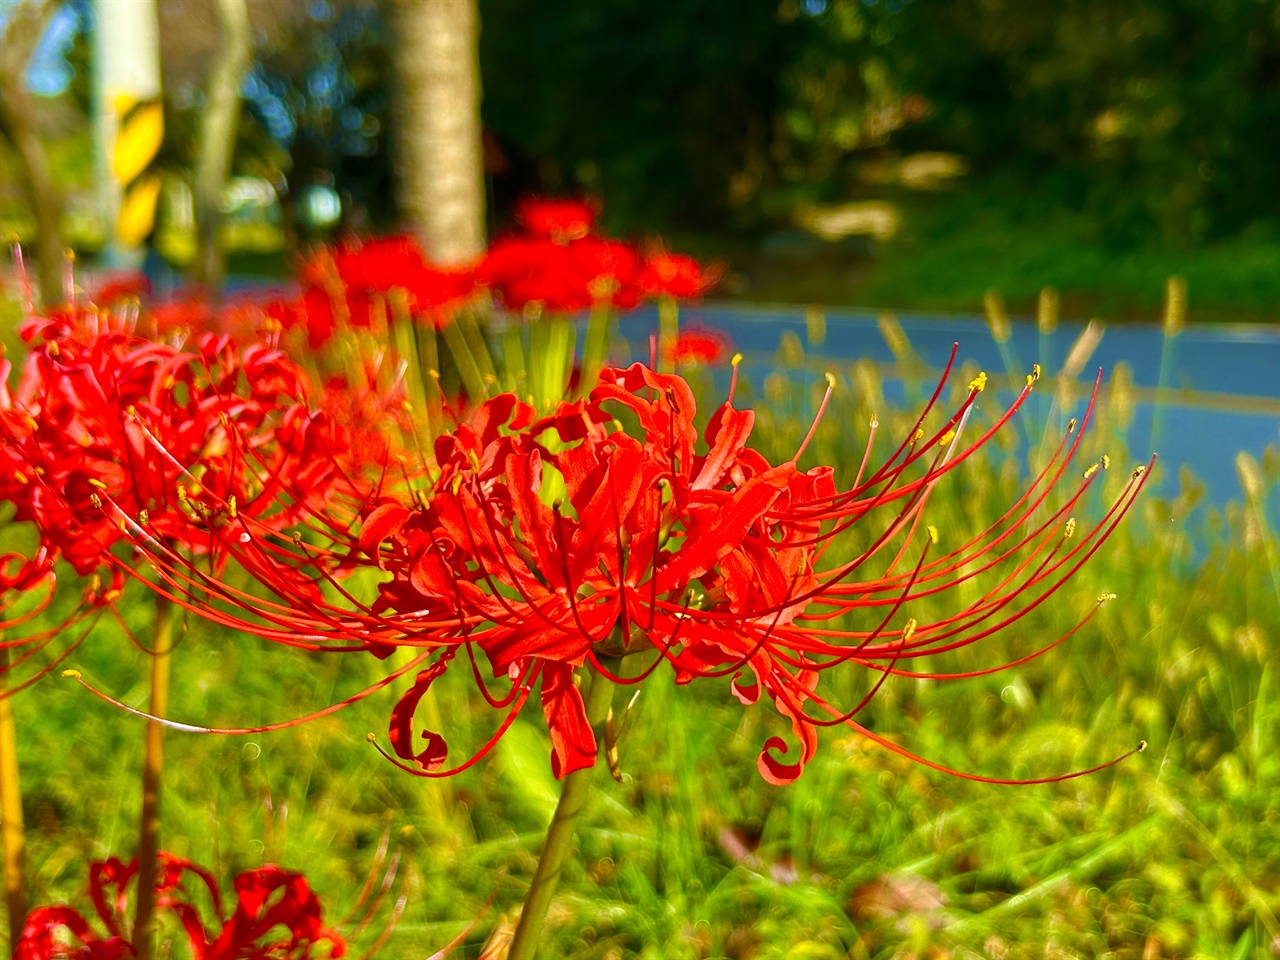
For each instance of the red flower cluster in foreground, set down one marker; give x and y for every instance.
(563, 543)
(276, 917)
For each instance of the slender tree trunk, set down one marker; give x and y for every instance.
(441, 155)
(18, 118)
(218, 136)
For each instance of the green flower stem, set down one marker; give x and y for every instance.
(668, 334)
(407, 347)
(573, 796)
(559, 362)
(468, 368)
(15, 896)
(596, 347)
(539, 344)
(429, 375)
(144, 931)
(469, 323)
(514, 371)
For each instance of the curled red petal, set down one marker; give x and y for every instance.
(573, 742)
(400, 730)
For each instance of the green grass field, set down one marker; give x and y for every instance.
(1174, 853)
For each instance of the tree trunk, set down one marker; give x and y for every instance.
(441, 155)
(218, 137)
(18, 117)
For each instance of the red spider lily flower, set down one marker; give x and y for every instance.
(558, 220)
(696, 348)
(676, 275)
(554, 557)
(115, 288)
(267, 899)
(525, 272)
(109, 430)
(350, 285)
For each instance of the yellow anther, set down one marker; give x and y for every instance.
(947, 438)
(933, 533)
(831, 379)
(297, 539)
(53, 348)
(978, 383)
(407, 406)
(457, 484)
(1035, 371)
(1030, 379)
(95, 482)
(1091, 470)
(19, 476)
(143, 518)
(875, 421)
(1106, 462)
(737, 359)
(908, 630)
(132, 412)
(918, 435)
(1142, 745)
(182, 493)
(95, 500)
(1070, 530)
(85, 440)
(433, 374)
(1139, 471)
(71, 674)
(1071, 425)
(371, 737)
(231, 506)
(124, 527)
(1104, 597)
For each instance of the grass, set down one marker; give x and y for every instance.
(1175, 853)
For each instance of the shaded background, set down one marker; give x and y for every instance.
(911, 154)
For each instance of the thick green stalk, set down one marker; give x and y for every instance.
(573, 796)
(596, 347)
(514, 371)
(469, 324)
(468, 368)
(144, 929)
(559, 362)
(668, 334)
(15, 895)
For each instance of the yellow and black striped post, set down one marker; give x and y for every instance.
(139, 134)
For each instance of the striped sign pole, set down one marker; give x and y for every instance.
(130, 123)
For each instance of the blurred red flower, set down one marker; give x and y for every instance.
(276, 917)
(557, 219)
(676, 275)
(351, 285)
(700, 347)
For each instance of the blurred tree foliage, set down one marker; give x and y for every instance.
(1157, 117)
(1160, 117)
(689, 110)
